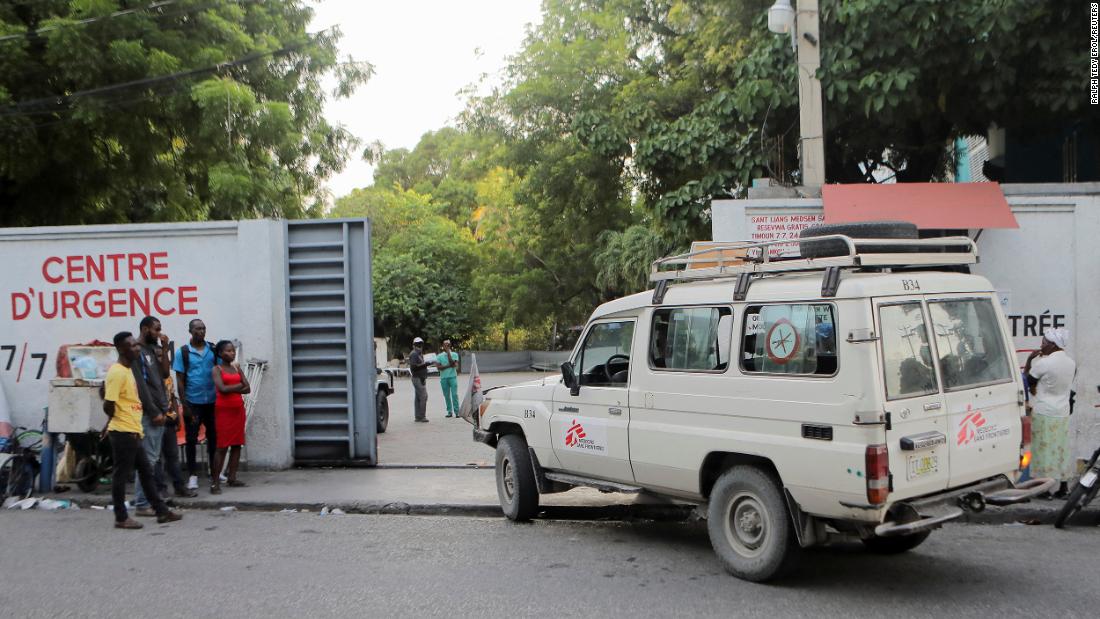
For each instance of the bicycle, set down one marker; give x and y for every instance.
(18, 472)
(1083, 493)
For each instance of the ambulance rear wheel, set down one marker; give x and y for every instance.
(750, 526)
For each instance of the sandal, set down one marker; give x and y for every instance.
(233, 483)
(215, 489)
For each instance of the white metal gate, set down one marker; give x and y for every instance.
(331, 341)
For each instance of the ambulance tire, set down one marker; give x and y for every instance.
(896, 544)
(382, 407)
(516, 486)
(899, 230)
(750, 525)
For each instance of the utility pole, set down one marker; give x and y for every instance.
(804, 29)
(810, 106)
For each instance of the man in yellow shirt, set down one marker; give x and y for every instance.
(122, 403)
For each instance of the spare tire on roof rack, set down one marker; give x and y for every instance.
(900, 230)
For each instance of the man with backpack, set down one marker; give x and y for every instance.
(194, 364)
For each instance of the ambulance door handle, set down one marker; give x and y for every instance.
(615, 411)
(934, 406)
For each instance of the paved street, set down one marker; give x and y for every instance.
(441, 440)
(280, 565)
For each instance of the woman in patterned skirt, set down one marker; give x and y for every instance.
(1050, 374)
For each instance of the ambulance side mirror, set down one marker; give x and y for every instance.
(569, 377)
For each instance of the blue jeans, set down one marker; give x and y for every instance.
(450, 393)
(152, 442)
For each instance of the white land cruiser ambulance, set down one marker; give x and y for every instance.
(859, 389)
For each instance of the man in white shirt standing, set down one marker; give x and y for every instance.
(1050, 374)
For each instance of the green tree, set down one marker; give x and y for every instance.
(390, 209)
(421, 280)
(186, 110)
(447, 163)
(687, 100)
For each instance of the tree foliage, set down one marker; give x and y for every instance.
(691, 99)
(93, 132)
(688, 100)
(421, 281)
(423, 263)
(620, 120)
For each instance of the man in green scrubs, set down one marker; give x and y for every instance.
(448, 363)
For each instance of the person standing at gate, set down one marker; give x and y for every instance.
(1050, 373)
(155, 403)
(122, 404)
(194, 365)
(448, 363)
(419, 369)
(169, 467)
(229, 415)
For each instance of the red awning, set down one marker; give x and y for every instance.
(932, 206)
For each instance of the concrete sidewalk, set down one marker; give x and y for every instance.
(472, 492)
(435, 491)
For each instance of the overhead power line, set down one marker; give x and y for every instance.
(151, 7)
(59, 103)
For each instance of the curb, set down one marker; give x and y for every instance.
(1044, 514)
(662, 513)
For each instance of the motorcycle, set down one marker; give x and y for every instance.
(1083, 493)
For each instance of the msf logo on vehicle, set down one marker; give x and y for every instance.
(968, 428)
(574, 434)
(975, 428)
(577, 438)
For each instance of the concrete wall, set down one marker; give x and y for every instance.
(1047, 272)
(514, 361)
(230, 274)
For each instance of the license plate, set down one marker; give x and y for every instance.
(922, 465)
(1088, 479)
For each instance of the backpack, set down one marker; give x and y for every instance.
(186, 351)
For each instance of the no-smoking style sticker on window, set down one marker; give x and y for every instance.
(782, 341)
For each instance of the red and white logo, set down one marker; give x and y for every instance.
(574, 434)
(782, 341)
(968, 427)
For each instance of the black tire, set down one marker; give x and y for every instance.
(749, 525)
(516, 486)
(895, 544)
(383, 409)
(20, 482)
(87, 475)
(860, 230)
(1078, 499)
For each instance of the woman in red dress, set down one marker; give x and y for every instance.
(229, 416)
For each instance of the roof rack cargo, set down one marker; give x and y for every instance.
(748, 259)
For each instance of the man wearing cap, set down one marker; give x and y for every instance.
(1050, 373)
(419, 368)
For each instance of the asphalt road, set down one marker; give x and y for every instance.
(281, 565)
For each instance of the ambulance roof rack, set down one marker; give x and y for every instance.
(745, 260)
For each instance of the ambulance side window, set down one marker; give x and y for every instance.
(797, 338)
(693, 339)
